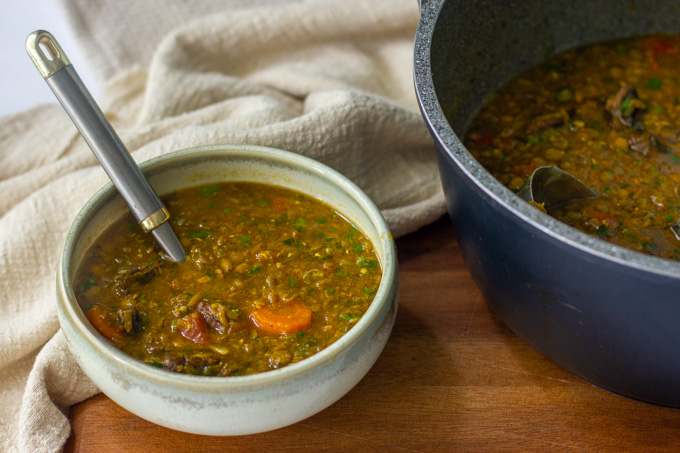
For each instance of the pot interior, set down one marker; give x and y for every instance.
(478, 46)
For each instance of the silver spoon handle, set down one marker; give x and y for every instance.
(78, 103)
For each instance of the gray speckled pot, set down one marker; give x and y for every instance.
(239, 404)
(608, 315)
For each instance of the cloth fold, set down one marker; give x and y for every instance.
(330, 80)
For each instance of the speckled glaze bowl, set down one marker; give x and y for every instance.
(239, 404)
(609, 315)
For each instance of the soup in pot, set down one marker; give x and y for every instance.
(609, 114)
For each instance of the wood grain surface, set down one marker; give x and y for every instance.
(452, 377)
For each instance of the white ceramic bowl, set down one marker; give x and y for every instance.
(239, 404)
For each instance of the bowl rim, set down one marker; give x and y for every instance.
(452, 145)
(384, 295)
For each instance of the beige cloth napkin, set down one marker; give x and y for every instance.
(327, 79)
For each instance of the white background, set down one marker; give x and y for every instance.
(21, 85)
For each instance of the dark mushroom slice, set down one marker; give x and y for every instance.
(139, 275)
(663, 143)
(548, 121)
(192, 363)
(626, 107)
(219, 315)
(174, 362)
(640, 143)
(666, 143)
(129, 319)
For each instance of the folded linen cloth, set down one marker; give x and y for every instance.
(326, 79)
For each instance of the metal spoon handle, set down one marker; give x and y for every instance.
(126, 176)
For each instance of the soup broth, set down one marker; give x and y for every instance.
(272, 276)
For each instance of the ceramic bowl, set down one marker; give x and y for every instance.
(239, 404)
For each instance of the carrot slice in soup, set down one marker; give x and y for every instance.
(283, 317)
(101, 319)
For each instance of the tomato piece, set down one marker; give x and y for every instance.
(279, 204)
(193, 328)
(282, 317)
(483, 140)
(524, 170)
(603, 217)
(659, 46)
(104, 320)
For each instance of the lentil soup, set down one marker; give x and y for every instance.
(271, 277)
(609, 114)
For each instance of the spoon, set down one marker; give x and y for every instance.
(675, 229)
(102, 139)
(550, 185)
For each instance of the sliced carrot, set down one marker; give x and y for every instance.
(524, 170)
(193, 328)
(282, 317)
(101, 319)
(653, 65)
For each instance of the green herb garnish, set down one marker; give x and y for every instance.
(209, 189)
(348, 316)
(367, 263)
(369, 291)
(654, 83)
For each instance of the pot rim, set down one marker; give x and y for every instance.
(386, 293)
(484, 181)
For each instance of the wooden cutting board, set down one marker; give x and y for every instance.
(452, 377)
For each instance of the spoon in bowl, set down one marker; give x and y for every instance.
(102, 139)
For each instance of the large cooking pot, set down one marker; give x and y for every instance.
(607, 314)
